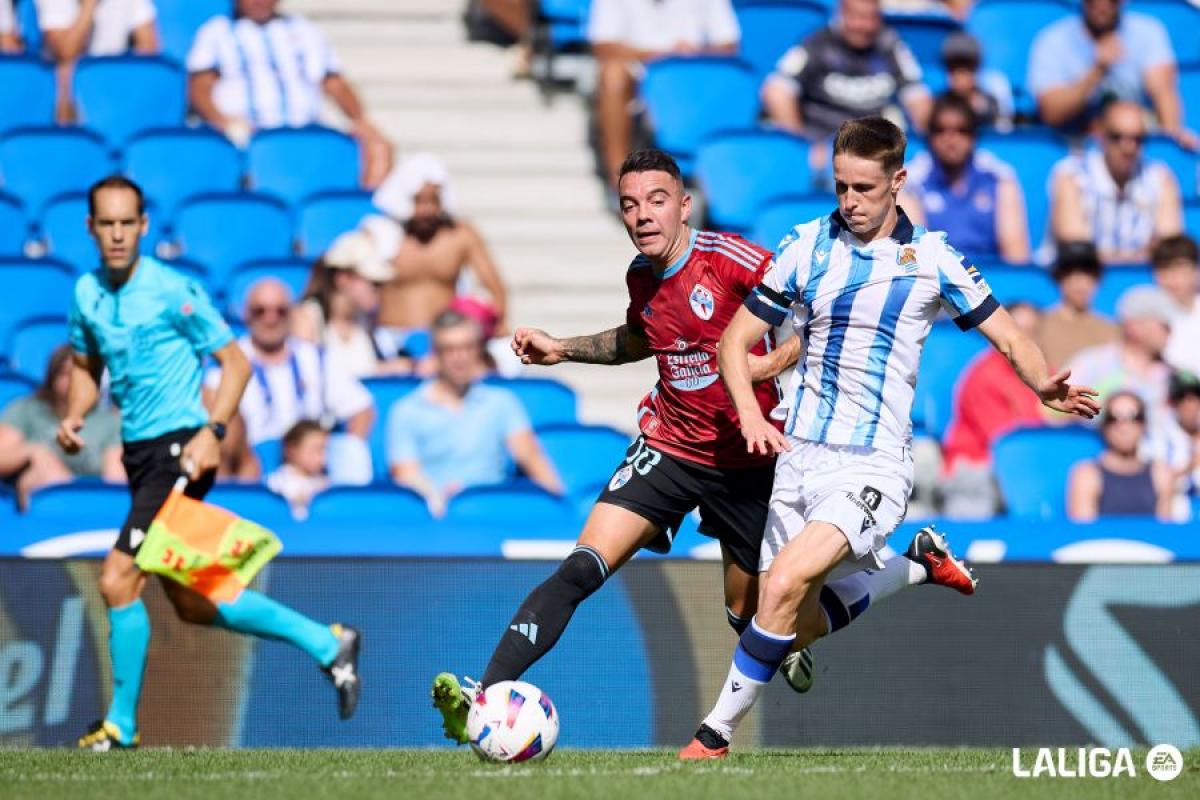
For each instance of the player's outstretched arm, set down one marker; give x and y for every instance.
(617, 345)
(1030, 364)
(82, 393)
(733, 360)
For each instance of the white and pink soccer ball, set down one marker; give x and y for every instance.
(512, 721)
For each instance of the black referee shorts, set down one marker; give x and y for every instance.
(153, 467)
(664, 489)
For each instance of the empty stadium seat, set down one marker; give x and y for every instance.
(292, 271)
(378, 504)
(270, 455)
(1189, 91)
(106, 504)
(1182, 21)
(326, 216)
(14, 227)
(1115, 281)
(566, 21)
(118, 96)
(546, 401)
(1182, 162)
(740, 170)
(1032, 466)
(27, 92)
(178, 21)
(41, 163)
(583, 455)
(1020, 282)
(1191, 216)
(510, 508)
(46, 289)
(254, 502)
(13, 386)
(924, 33)
(1032, 153)
(771, 27)
(32, 342)
(251, 227)
(295, 163)
(1006, 29)
(688, 99)
(385, 391)
(173, 165)
(779, 215)
(947, 353)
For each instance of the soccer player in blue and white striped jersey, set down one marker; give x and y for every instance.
(863, 287)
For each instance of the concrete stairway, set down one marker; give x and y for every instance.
(522, 169)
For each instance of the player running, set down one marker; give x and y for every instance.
(863, 286)
(684, 287)
(151, 328)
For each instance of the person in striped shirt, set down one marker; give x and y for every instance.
(863, 287)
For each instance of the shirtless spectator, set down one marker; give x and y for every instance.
(428, 248)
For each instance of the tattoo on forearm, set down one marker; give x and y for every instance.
(609, 347)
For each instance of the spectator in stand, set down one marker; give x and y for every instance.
(855, 67)
(302, 476)
(1119, 482)
(968, 193)
(986, 91)
(515, 18)
(1134, 361)
(1112, 196)
(293, 380)
(29, 457)
(1177, 273)
(1177, 442)
(261, 69)
(339, 305)
(75, 28)
(429, 249)
(625, 34)
(989, 401)
(1077, 65)
(1072, 325)
(454, 432)
(10, 39)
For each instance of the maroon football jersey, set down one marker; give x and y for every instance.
(683, 313)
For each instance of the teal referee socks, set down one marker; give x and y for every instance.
(128, 641)
(259, 615)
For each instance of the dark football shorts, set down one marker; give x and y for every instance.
(664, 489)
(153, 467)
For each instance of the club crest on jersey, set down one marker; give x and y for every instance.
(702, 301)
(621, 478)
(977, 278)
(907, 259)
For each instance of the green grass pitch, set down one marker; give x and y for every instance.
(622, 775)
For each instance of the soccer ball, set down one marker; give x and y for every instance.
(512, 721)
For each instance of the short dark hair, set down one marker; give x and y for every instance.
(452, 319)
(950, 102)
(873, 138)
(1075, 257)
(115, 182)
(650, 160)
(1179, 247)
(295, 434)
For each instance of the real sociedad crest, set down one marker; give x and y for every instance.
(702, 301)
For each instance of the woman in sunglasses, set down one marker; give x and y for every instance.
(1120, 482)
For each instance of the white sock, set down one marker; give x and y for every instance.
(843, 600)
(756, 659)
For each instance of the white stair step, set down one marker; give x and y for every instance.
(481, 96)
(438, 128)
(422, 62)
(328, 9)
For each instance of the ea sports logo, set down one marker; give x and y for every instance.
(1164, 762)
(702, 302)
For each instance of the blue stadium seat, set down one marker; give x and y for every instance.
(14, 227)
(583, 455)
(1032, 154)
(152, 94)
(1007, 29)
(947, 353)
(567, 21)
(546, 401)
(27, 24)
(385, 391)
(1020, 282)
(510, 508)
(292, 271)
(32, 342)
(1113, 283)
(1189, 90)
(13, 386)
(106, 504)
(924, 33)
(1032, 465)
(740, 170)
(688, 99)
(173, 165)
(46, 288)
(270, 454)
(251, 227)
(378, 504)
(1191, 217)
(1182, 21)
(296, 163)
(780, 214)
(41, 163)
(178, 21)
(326, 216)
(1182, 162)
(27, 92)
(771, 27)
(254, 502)
(66, 237)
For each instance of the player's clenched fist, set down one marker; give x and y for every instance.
(535, 346)
(68, 435)
(763, 437)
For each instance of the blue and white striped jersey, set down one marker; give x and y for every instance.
(864, 312)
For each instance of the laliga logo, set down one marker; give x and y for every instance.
(1163, 762)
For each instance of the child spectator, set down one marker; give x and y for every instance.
(302, 476)
(987, 92)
